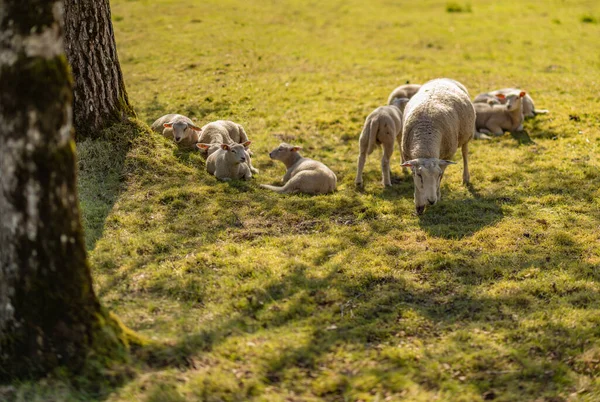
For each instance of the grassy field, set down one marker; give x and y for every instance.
(493, 294)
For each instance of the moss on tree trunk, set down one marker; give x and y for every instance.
(100, 98)
(49, 314)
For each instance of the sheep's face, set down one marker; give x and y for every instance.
(284, 152)
(427, 175)
(236, 153)
(514, 100)
(181, 130)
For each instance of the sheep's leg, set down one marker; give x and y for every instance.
(465, 155)
(362, 157)
(494, 130)
(388, 150)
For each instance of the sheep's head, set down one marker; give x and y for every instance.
(513, 100)
(181, 129)
(236, 153)
(285, 153)
(427, 175)
(208, 149)
(400, 103)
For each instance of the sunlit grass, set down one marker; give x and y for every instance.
(492, 294)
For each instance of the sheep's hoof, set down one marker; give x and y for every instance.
(358, 184)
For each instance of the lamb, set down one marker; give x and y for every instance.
(492, 98)
(303, 174)
(495, 119)
(229, 162)
(223, 132)
(403, 91)
(177, 127)
(437, 120)
(382, 127)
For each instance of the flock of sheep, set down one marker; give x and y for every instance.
(428, 121)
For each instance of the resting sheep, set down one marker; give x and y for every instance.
(491, 98)
(229, 162)
(403, 91)
(219, 132)
(437, 120)
(303, 174)
(495, 119)
(382, 127)
(179, 128)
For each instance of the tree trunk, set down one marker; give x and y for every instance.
(100, 98)
(49, 314)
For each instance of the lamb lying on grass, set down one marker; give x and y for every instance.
(303, 174)
(495, 119)
(492, 98)
(220, 132)
(178, 128)
(382, 127)
(229, 162)
(403, 91)
(437, 120)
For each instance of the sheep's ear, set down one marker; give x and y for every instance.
(225, 147)
(411, 163)
(295, 149)
(522, 94)
(445, 163)
(202, 146)
(500, 96)
(193, 127)
(247, 144)
(168, 125)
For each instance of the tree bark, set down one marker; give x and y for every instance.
(100, 98)
(49, 313)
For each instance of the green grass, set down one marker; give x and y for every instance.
(492, 294)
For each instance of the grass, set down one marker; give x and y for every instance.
(491, 295)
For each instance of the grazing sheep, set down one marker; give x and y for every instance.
(382, 127)
(495, 119)
(437, 120)
(403, 91)
(219, 132)
(303, 174)
(177, 127)
(229, 162)
(492, 98)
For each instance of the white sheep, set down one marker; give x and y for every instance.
(495, 119)
(492, 98)
(229, 162)
(177, 127)
(403, 91)
(437, 120)
(219, 132)
(303, 174)
(382, 127)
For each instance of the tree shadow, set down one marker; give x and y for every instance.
(100, 177)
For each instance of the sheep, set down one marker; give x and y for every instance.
(492, 98)
(403, 91)
(179, 128)
(495, 119)
(303, 174)
(383, 126)
(437, 120)
(220, 132)
(229, 162)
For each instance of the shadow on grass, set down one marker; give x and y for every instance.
(100, 174)
(459, 218)
(377, 310)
